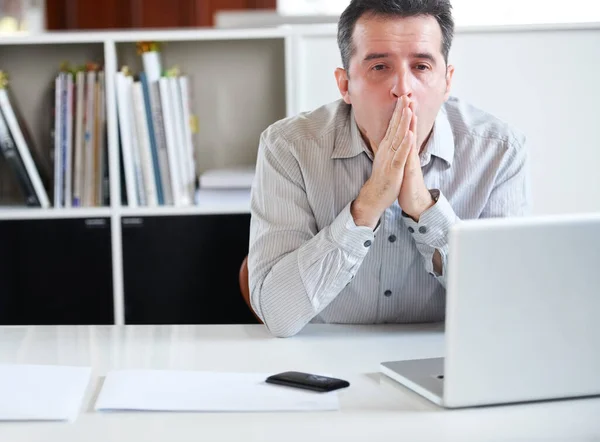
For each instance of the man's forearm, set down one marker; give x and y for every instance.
(289, 288)
(284, 301)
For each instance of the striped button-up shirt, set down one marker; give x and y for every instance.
(309, 262)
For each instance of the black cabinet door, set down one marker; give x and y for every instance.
(56, 272)
(184, 269)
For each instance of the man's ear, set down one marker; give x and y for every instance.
(341, 77)
(449, 75)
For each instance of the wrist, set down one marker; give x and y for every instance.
(363, 214)
(422, 204)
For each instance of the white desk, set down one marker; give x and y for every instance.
(372, 409)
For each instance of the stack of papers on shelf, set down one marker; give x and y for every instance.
(42, 392)
(228, 178)
(228, 200)
(227, 188)
(171, 390)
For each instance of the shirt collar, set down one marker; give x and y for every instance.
(440, 144)
(354, 145)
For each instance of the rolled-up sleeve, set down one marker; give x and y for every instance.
(294, 270)
(431, 233)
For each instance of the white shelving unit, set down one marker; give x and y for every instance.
(240, 83)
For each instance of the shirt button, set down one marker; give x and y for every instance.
(392, 238)
(411, 230)
(367, 243)
(422, 229)
(388, 293)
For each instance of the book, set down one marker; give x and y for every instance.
(89, 139)
(180, 140)
(78, 160)
(126, 138)
(59, 105)
(152, 138)
(146, 161)
(24, 144)
(100, 148)
(184, 91)
(161, 142)
(177, 185)
(68, 141)
(8, 149)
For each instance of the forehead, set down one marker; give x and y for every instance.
(397, 34)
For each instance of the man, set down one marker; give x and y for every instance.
(353, 201)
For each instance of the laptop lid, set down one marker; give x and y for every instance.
(523, 310)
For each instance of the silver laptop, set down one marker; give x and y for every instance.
(522, 314)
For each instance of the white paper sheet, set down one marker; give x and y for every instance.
(42, 392)
(164, 390)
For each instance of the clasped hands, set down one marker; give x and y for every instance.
(396, 173)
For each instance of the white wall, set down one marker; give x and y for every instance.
(474, 12)
(544, 81)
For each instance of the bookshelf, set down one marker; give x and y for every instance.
(238, 87)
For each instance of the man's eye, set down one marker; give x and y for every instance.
(378, 67)
(422, 67)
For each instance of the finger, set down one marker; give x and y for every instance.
(413, 123)
(396, 115)
(402, 128)
(413, 128)
(401, 155)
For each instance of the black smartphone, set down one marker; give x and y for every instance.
(307, 381)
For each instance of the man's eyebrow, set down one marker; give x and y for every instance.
(375, 55)
(423, 55)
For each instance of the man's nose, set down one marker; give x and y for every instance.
(401, 85)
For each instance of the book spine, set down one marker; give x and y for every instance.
(152, 136)
(161, 143)
(187, 130)
(89, 137)
(79, 139)
(136, 145)
(68, 199)
(186, 199)
(144, 145)
(126, 138)
(63, 137)
(171, 144)
(58, 133)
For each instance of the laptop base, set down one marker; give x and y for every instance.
(423, 376)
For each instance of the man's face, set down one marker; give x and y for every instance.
(395, 57)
